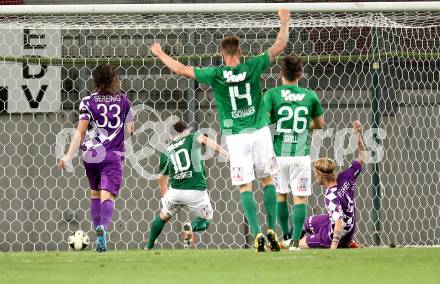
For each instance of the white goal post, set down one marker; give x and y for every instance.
(376, 62)
(427, 6)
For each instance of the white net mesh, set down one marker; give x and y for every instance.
(40, 206)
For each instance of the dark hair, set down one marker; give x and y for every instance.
(291, 67)
(180, 126)
(104, 76)
(230, 45)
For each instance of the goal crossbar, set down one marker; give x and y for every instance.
(427, 6)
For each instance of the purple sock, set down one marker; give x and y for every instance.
(107, 207)
(95, 211)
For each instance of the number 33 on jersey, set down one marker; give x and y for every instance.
(107, 115)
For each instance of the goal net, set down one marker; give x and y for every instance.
(381, 68)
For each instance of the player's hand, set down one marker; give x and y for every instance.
(357, 126)
(155, 48)
(62, 164)
(226, 156)
(284, 14)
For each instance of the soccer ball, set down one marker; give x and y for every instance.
(79, 240)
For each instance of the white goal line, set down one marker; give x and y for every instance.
(427, 6)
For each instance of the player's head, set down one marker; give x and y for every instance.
(325, 170)
(291, 68)
(105, 78)
(179, 127)
(230, 47)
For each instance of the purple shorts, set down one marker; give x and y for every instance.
(106, 175)
(320, 232)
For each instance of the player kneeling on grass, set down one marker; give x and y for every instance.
(294, 111)
(337, 228)
(103, 116)
(182, 166)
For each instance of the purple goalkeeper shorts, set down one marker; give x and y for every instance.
(320, 232)
(106, 175)
(319, 229)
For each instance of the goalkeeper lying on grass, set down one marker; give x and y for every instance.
(336, 228)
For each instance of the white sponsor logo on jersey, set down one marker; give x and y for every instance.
(176, 145)
(288, 97)
(231, 78)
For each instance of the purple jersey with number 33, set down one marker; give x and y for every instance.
(107, 114)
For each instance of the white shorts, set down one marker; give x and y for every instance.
(295, 175)
(249, 150)
(196, 200)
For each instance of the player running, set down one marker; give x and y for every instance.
(237, 91)
(294, 111)
(102, 120)
(337, 227)
(182, 182)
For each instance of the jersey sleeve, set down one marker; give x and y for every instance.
(205, 75)
(84, 109)
(261, 62)
(164, 164)
(352, 172)
(317, 109)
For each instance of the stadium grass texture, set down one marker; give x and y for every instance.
(373, 265)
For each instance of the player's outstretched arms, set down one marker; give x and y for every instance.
(78, 137)
(317, 123)
(357, 131)
(283, 35)
(174, 65)
(337, 233)
(162, 180)
(213, 145)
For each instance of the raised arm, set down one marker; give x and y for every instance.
(202, 139)
(283, 35)
(78, 137)
(357, 131)
(174, 65)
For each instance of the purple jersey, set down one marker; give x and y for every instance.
(339, 200)
(107, 114)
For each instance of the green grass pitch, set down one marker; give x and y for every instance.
(372, 266)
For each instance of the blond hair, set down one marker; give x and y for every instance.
(326, 168)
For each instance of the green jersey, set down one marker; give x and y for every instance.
(182, 162)
(237, 92)
(291, 109)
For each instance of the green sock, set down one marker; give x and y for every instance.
(156, 229)
(270, 202)
(200, 224)
(299, 216)
(250, 211)
(283, 216)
